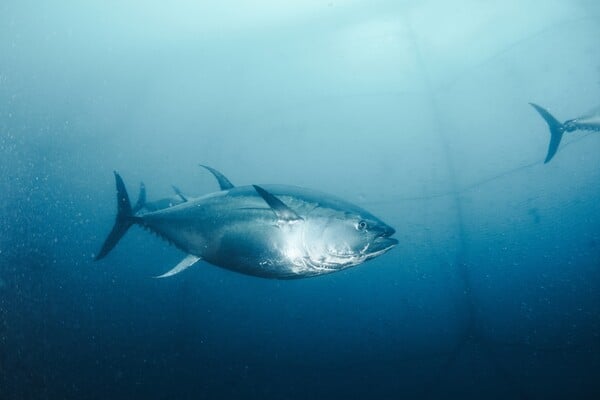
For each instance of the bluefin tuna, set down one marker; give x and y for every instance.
(144, 206)
(557, 129)
(270, 231)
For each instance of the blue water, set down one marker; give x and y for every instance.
(417, 111)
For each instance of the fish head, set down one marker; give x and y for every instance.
(337, 239)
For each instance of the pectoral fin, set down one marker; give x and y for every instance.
(184, 264)
(282, 211)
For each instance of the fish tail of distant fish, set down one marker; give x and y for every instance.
(556, 131)
(141, 201)
(125, 218)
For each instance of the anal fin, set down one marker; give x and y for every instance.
(184, 264)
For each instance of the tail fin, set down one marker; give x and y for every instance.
(124, 219)
(141, 201)
(556, 131)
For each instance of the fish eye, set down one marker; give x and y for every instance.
(361, 226)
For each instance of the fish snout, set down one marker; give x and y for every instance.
(389, 231)
(384, 231)
(383, 240)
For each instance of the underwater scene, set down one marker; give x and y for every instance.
(300, 199)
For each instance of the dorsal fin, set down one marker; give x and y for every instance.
(282, 211)
(224, 183)
(178, 193)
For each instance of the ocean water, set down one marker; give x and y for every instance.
(415, 110)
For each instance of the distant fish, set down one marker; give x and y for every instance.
(144, 206)
(271, 231)
(585, 123)
(160, 204)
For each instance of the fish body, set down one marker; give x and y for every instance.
(271, 231)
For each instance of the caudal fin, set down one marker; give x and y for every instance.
(556, 131)
(124, 219)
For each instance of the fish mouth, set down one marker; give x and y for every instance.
(384, 241)
(381, 244)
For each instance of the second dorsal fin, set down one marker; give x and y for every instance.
(179, 194)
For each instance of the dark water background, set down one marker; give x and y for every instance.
(416, 110)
